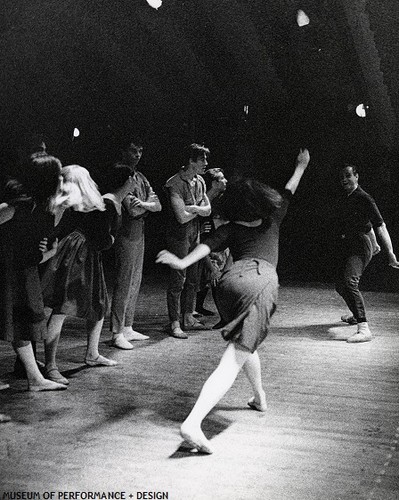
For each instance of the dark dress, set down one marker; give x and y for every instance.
(73, 283)
(246, 294)
(21, 302)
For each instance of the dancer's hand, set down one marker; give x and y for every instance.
(48, 254)
(134, 201)
(303, 158)
(170, 259)
(43, 245)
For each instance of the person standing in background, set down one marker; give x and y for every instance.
(188, 203)
(129, 249)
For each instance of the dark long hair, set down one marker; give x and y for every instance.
(247, 200)
(40, 177)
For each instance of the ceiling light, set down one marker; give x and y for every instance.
(302, 19)
(361, 110)
(155, 4)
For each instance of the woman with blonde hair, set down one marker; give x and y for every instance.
(74, 284)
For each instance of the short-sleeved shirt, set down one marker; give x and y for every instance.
(192, 193)
(244, 242)
(357, 213)
(141, 190)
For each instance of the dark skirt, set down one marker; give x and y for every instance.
(21, 302)
(246, 298)
(73, 283)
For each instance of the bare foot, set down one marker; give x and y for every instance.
(195, 438)
(46, 385)
(259, 405)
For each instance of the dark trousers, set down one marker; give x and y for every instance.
(354, 259)
(182, 289)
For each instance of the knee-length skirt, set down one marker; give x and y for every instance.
(246, 297)
(73, 283)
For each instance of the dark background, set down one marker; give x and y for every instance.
(184, 73)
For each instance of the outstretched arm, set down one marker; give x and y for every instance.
(170, 259)
(302, 162)
(382, 233)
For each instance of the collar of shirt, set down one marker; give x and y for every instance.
(184, 176)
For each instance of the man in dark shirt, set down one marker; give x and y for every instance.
(358, 218)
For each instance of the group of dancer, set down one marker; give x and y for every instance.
(57, 218)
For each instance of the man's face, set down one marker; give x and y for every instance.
(220, 182)
(200, 164)
(348, 179)
(133, 154)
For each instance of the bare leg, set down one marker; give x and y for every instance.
(54, 327)
(36, 381)
(253, 372)
(93, 357)
(212, 391)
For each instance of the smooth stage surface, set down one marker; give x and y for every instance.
(330, 432)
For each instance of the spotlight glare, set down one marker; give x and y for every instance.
(155, 4)
(302, 19)
(361, 110)
(76, 132)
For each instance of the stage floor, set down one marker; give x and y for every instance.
(330, 432)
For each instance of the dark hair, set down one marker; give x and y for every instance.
(355, 169)
(116, 177)
(40, 176)
(248, 200)
(211, 175)
(127, 140)
(195, 151)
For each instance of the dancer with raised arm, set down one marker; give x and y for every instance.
(246, 293)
